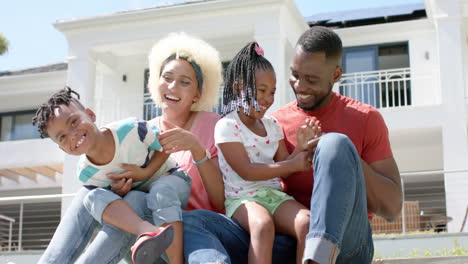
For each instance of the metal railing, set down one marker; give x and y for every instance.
(424, 201)
(31, 221)
(150, 110)
(10, 228)
(382, 89)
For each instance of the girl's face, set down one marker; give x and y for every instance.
(178, 86)
(265, 81)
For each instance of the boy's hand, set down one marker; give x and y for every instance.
(131, 172)
(307, 132)
(122, 186)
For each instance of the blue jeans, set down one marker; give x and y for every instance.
(77, 227)
(210, 237)
(166, 199)
(339, 227)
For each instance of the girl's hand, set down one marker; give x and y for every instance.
(302, 161)
(122, 186)
(176, 139)
(134, 172)
(307, 132)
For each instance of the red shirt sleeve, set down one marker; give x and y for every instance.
(376, 144)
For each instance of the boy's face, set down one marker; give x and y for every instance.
(73, 129)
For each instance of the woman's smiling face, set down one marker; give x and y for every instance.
(178, 86)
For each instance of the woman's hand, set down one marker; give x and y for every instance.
(176, 139)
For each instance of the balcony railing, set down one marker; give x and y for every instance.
(382, 89)
(28, 222)
(150, 110)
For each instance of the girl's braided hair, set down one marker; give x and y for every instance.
(46, 110)
(239, 82)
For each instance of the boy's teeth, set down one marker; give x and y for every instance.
(303, 96)
(80, 141)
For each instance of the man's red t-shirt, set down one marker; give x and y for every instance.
(362, 123)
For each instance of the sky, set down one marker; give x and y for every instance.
(33, 41)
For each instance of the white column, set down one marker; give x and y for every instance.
(270, 37)
(108, 101)
(448, 22)
(80, 77)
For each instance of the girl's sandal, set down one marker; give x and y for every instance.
(149, 250)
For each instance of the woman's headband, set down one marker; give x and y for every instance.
(195, 66)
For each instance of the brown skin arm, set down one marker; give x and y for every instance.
(211, 177)
(383, 187)
(176, 139)
(237, 157)
(140, 174)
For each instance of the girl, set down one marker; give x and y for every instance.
(253, 157)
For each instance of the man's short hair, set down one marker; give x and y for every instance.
(321, 39)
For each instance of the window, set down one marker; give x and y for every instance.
(17, 126)
(377, 75)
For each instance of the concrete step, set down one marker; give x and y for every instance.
(425, 260)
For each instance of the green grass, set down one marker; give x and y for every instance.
(456, 250)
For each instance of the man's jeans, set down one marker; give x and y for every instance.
(339, 228)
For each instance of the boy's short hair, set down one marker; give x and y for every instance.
(46, 110)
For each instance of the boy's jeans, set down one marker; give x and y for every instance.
(75, 231)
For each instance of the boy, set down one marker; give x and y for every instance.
(69, 124)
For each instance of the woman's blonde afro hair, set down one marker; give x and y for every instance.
(196, 50)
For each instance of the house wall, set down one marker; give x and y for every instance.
(28, 92)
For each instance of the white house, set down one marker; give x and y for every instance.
(411, 62)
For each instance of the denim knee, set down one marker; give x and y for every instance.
(337, 151)
(167, 197)
(137, 200)
(97, 200)
(337, 141)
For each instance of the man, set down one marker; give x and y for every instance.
(354, 170)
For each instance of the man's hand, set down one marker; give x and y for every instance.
(310, 130)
